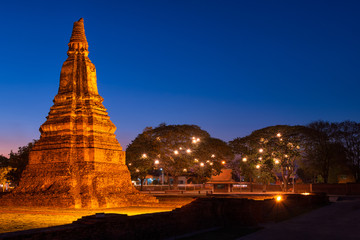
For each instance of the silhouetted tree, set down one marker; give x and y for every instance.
(18, 161)
(348, 134)
(324, 152)
(4, 161)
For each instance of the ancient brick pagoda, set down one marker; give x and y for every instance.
(77, 163)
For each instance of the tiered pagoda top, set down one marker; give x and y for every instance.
(78, 40)
(78, 117)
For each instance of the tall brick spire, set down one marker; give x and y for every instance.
(77, 162)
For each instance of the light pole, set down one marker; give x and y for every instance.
(162, 176)
(157, 162)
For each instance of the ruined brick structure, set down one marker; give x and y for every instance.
(77, 163)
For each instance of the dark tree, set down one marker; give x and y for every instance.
(18, 161)
(348, 134)
(4, 161)
(318, 150)
(324, 152)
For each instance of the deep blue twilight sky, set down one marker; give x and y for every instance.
(230, 67)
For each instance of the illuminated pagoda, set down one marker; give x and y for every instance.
(78, 162)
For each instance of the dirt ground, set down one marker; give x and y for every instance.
(24, 218)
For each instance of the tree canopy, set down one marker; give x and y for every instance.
(269, 153)
(331, 150)
(178, 150)
(18, 162)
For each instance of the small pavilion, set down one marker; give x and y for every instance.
(222, 183)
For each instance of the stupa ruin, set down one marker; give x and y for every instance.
(78, 162)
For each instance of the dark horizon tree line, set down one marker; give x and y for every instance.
(321, 151)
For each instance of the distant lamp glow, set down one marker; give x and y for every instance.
(185, 170)
(188, 150)
(278, 135)
(278, 198)
(213, 155)
(261, 150)
(137, 170)
(157, 162)
(176, 152)
(202, 164)
(305, 193)
(286, 155)
(258, 166)
(276, 161)
(198, 140)
(244, 159)
(223, 162)
(180, 148)
(211, 164)
(196, 160)
(130, 164)
(260, 158)
(144, 155)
